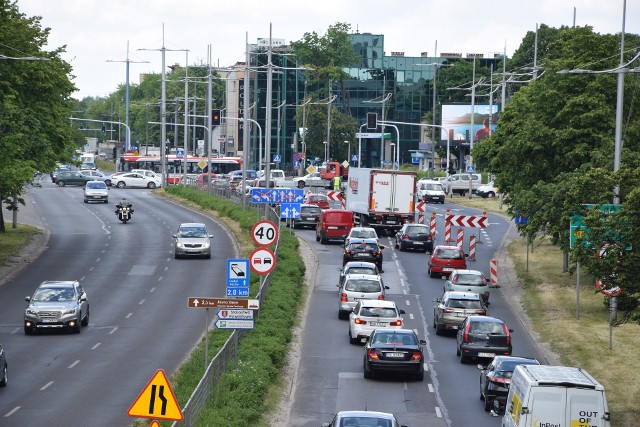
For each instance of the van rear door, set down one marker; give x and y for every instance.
(586, 407)
(546, 407)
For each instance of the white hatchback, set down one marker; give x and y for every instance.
(134, 179)
(368, 315)
(361, 233)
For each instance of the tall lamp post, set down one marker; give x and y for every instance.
(326, 158)
(348, 151)
(393, 154)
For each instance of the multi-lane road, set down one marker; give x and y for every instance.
(138, 295)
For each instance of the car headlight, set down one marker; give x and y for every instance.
(179, 244)
(70, 311)
(206, 245)
(32, 312)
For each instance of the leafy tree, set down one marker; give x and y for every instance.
(553, 149)
(34, 104)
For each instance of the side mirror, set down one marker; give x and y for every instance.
(400, 311)
(481, 366)
(510, 329)
(175, 236)
(386, 287)
(211, 236)
(27, 299)
(438, 300)
(383, 247)
(423, 342)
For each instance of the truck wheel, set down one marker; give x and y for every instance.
(301, 184)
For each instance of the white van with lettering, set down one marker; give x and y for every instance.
(555, 396)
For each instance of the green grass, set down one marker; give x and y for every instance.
(549, 299)
(245, 394)
(14, 239)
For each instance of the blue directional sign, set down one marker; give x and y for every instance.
(238, 272)
(296, 164)
(471, 169)
(289, 210)
(179, 152)
(261, 195)
(237, 292)
(354, 157)
(287, 195)
(277, 158)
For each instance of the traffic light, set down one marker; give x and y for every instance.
(215, 117)
(372, 121)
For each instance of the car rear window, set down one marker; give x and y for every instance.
(416, 231)
(449, 254)
(310, 210)
(362, 286)
(364, 234)
(378, 312)
(470, 279)
(404, 339)
(363, 247)
(463, 303)
(361, 270)
(487, 328)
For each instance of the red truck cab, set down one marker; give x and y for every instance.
(334, 169)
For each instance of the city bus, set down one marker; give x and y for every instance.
(175, 165)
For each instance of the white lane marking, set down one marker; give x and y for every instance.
(166, 268)
(13, 411)
(152, 289)
(115, 328)
(438, 413)
(160, 278)
(93, 266)
(15, 331)
(95, 346)
(82, 278)
(408, 302)
(426, 366)
(411, 316)
(128, 315)
(98, 259)
(430, 387)
(141, 301)
(46, 385)
(73, 364)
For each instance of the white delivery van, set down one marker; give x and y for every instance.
(555, 396)
(429, 190)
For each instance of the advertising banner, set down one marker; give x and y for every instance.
(456, 119)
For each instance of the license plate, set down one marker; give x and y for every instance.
(96, 197)
(395, 354)
(49, 320)
(311, 218)
(418, 243)
(390, 222)
(447, 269)
(486, 354)
(331, 227)
(362, 255)
(461, 314)
(377, 324)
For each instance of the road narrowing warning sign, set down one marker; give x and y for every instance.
(157, 400)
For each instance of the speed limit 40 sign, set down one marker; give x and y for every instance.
(264, 233)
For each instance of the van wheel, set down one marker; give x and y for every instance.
(317, 237)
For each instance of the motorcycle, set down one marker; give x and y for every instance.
(124, 213)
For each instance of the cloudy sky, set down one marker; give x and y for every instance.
(97, 31)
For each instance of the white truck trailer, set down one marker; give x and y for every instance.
(380, 198)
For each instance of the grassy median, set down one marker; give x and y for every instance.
(13, 240)
(549, 298)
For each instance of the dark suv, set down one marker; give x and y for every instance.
(414, 236)
(483, 337)
(363, 250)
(309, 216)
(57, 305)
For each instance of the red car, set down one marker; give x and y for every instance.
(320, 200)
(445, 259)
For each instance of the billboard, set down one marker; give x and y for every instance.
(456, 119)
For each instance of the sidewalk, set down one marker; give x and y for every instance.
(27, 214)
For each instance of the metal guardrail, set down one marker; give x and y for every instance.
(228, 354)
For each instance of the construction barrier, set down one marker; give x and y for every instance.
(447, 228)
(460, 237)
(472, 248)
(432, 225)
(493, 268)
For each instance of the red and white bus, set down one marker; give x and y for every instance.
(175, 165)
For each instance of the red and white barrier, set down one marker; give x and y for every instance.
(447, 228)
(432, 224)
(460, 237)
(493, 268)
(472, 248)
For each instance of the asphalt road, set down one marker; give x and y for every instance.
(138, 294)
(329, 377)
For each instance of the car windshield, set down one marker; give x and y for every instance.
(470, 279)
(416, 231)
(364, 422)
(100, 185)
(195, 232)
(53, 294)
(449, 254)
(396, 339)
(317, 199)
(378, 312)
(364, 234)
(463, 303)
(362, 286)
(431, 187)
(362, 270)
(510, 365)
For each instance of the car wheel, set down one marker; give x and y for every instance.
(368, 374)
(77, 328)
(487, 404)
(85, 321)
(317, 237)
(323, 241)
(176, 256)
(396, 245)
(342, 314)
(208, 256)
(438, 329)
(491, 194)
(106, 201)
(300, 184)
(151, 185)
(401, 247)
(60, 183)
(420, 376)
(86, 201)
(5, 378)
(463, 359)
(28, 331)
(121, 184)
(431, 273)
(108, 183)
(352, 340)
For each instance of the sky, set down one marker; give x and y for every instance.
(96, 32)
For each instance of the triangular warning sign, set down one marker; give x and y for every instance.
(157, 400)
(155, 424)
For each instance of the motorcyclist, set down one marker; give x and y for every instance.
(124, 203)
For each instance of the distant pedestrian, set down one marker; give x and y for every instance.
(336, 183)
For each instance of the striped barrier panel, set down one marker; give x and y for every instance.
(493, 268)
(472, 248)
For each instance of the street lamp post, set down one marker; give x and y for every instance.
(348, 151)
(393, 154)
(326, 158)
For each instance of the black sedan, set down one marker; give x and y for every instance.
(394, 350)
(414, 236)
(495, 379)
(368, 250)
(483, 337)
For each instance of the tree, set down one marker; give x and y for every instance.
(35, 105)
(553, 149)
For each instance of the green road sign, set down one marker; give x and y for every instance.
(577, 229)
